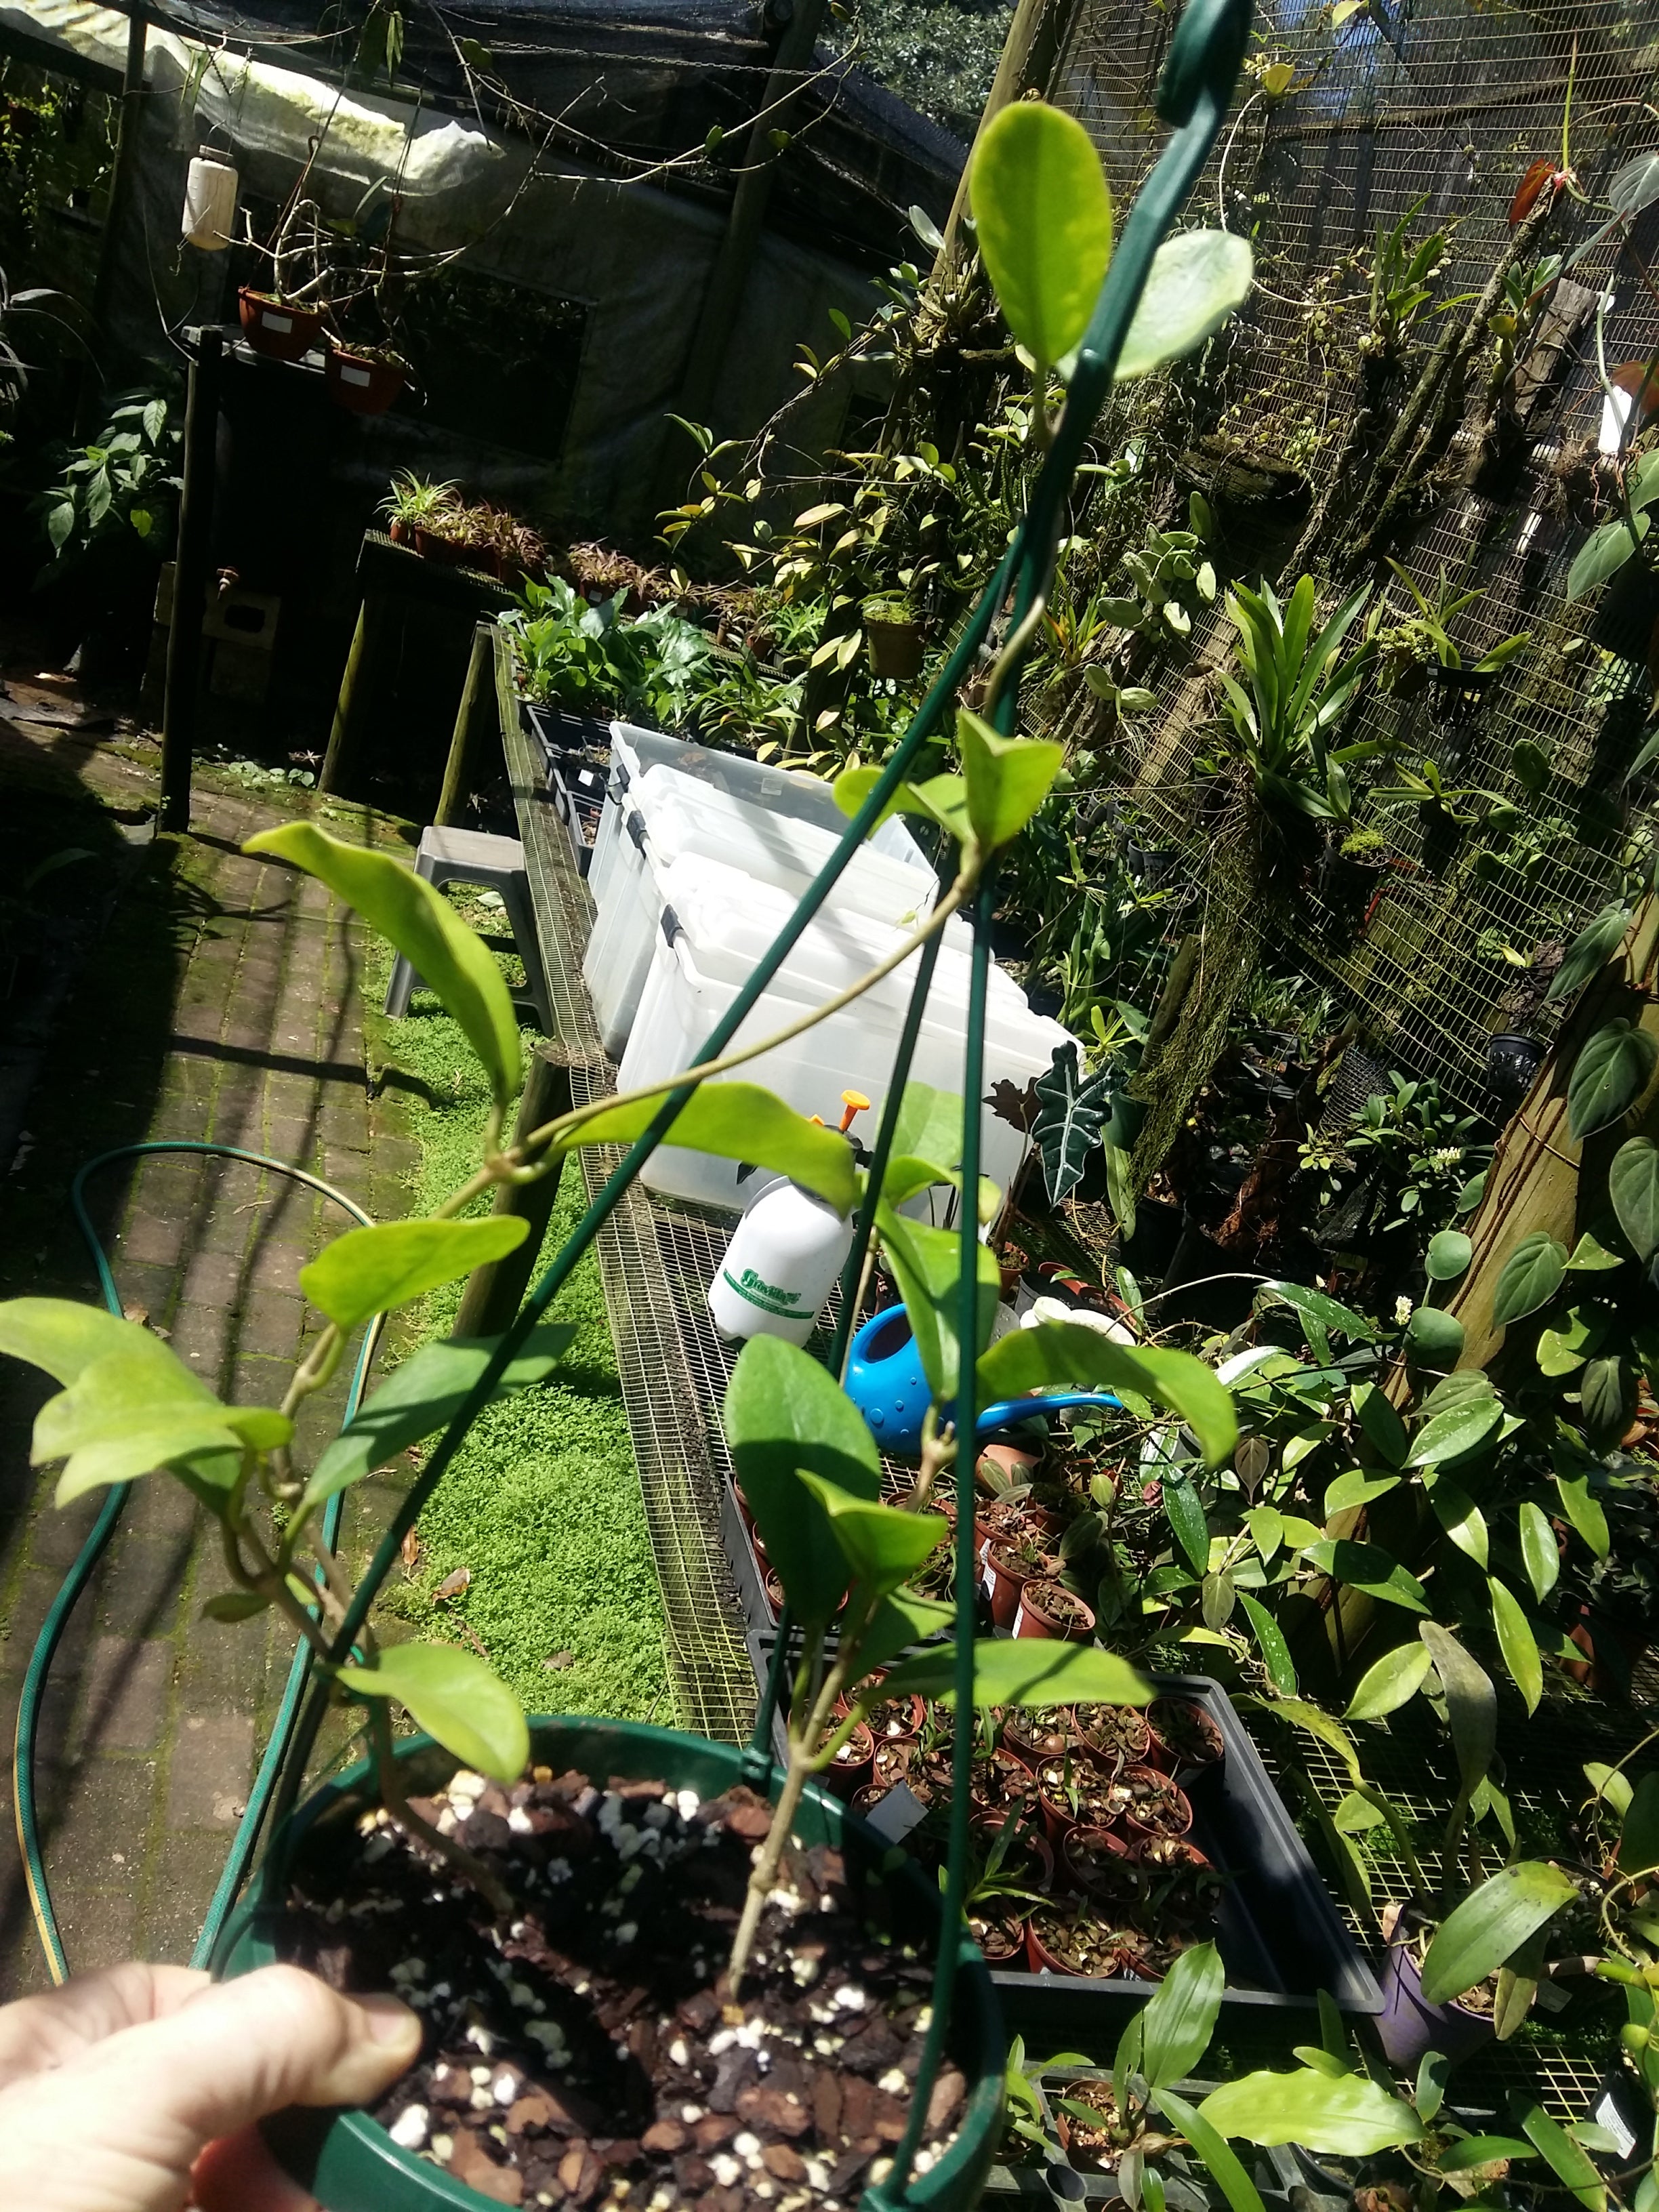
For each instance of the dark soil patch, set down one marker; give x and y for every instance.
(587, 2050)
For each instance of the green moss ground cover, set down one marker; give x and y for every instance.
(542, 1505)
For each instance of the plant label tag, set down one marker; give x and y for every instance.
(1608, 2116)
(1550, 1996)
(897, 1814)
(350, 375)
(280, 324)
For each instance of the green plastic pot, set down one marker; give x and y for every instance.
(349, 2163)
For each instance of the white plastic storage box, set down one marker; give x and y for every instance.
(634, 750)
(713, 934)
(665, 816)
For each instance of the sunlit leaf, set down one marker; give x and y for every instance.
(1007, 778)
(1018, 1670)
(739, 1120)
(1343, 2115)
(1197, 279)
(375, 1270)
(1043, 213)
(455, 1698)
(1529, 1279)
(1061, 1355)
(1395, 1680)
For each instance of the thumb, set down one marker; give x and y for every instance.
(141, 2106)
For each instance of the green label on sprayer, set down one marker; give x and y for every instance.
(766, 1296)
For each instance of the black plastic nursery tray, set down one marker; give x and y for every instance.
(579, 800)
(564, 736)
(1281, 1939)
(1049, 2177)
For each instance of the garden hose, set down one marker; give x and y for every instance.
(245, 1840)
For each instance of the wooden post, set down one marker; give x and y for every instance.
(1032, 53)
(191, 565)
(351, 708)
(477, 708)
(495, 1291)
(94, 373)
(723, 295)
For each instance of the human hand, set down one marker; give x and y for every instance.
(123, 2091)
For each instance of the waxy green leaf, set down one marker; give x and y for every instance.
(1024, 1671)
(1567, 2160)
(1516, 1642)
(455, 1698)
(740, 1120)
(1593, 947)
(1043, 215)
(1007, 778)
(784, 1412)
(64, 1336)
(1065, 1355)
(370, 1271)
(1612, 1071)
(1216, 2155)
(882, 1545)
(1383, 1428)
(1539, 1551)
(1394, 1681)
(1197, 279)
(1270, 1642)
(1367, 1567)
(1494, 1920)
(1343, 2115)
(1434, 1339)
(1633, 1187)
(1450, 1435)
(1530, 1278)
(1447, 1257)
(450, 958)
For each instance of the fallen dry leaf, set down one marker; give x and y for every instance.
(411, 1550)
(557, 1661)
(452, 1585)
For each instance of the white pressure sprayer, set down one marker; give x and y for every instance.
(783, 1259)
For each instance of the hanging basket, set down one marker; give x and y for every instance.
(275, 327)
(361, 383)
(350, 2164)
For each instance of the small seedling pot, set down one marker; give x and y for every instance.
(1185, 1739)
(1043, 1960)
(360, 385)
(1008, 1580)
(1512, 1060)
(1049, 1609)
(1097, 1861)
(897, 645)
(852, 1764)
(444, 552)
(1124, 1740)
(1174, 1815)
(1408, 2026)
(1012, 1260)
(348, 2163)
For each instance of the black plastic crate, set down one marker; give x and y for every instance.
(1281, 1938)
(578, 792)
(563, 736)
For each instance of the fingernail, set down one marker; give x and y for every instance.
(387, 2019)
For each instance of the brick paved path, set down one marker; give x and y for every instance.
(225, 1004)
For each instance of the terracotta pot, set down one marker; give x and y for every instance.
(1114, 1736)
(852, 1764)
(901, 1725)
(1171, 1755)
(897, 648)
(1008, 1579)
(891, 1762)
(1001, 1781)
(1180, 1878)
(1033, 1735)
(276, 328)
(361, 385)
(1049, 1609)
(998, 1523)
(1175, 1816)
(447, 552)
(772, 1585)
(1012, 1260)
(1042, 1960)
(1001, 1941)
(990, 1824)
(1100, 1794)
(399, 532)
(1097, 1861)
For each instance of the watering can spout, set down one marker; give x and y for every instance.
(886, 1382)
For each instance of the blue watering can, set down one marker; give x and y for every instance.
(885, 1381)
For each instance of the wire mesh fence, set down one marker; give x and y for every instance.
(1425, 113)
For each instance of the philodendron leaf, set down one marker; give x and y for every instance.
(1593, 947)
(1342, 2115)
(1007, 778)
(1065, 1355)
(1043, 213)
(454, 1697)
(370, 1271)
(1447, 1257)
(1448, 1436)
(1071, 1113)
(64, 1336)
(423, 1396)
(740, 1121)
(450, 958)
(1612, 1071)
(1019, 1671)
(925, 1262)
(1604, 552)
(883, 1546)
(1475, 1940)
(1434, 1339)
(1529, 1279)
(1197, 279)
(1392, 1682)
(785, 1412)
(1633, 1187)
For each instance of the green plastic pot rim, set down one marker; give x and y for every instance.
(358, 2166)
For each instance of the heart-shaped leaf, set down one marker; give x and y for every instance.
(1529, 1279)
(64, 1336)
(455, 1698)
(449, 958)
(370, 1271)
(1633, 1187)
(1197, 279)
(925, 1262)
(785, 1412)
(1043, 213)
(1071, 1113)
(739, 1120)
(1603, 553)
(1007, 778)
(1593, 947)
(1612, 1071)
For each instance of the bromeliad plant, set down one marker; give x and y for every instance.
(1298, 691)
